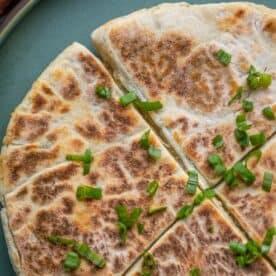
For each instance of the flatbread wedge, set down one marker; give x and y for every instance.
(202, 242)
(253, 207)
(169, 53)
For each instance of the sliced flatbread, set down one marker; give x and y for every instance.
(202, 241)
(47, 205)
(62, 115)
(254, 208)
(168, 53)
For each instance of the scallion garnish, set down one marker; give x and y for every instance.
(144, 140)
(241, 137)
(256, 154)
(271, 232)
(81, 249)
(154, 153)
(216, 163)
(86, 160)
(268, 113)
(128, 98)
(244, 173)
(148, 265)
(149, 106)
(257, 139)
(103, 92)
(122, 231)
(247, 105)
(156, 209)
(209, 193)
(192, 182)
(71, 262)
(140, 228)
(237, 96)
(223, 57)
(230, 178)
(87, 192)
(241, 122)
(267, 181)
(218, 141)
(257, 80)
(185, 211)
(152, 188)
(194, 272)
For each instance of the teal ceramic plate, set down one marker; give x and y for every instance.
(38, 38)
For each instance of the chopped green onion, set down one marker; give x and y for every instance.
(267, 181)
(152, 188)
(149, 106)
(209, 193)
(122, 231)
(140, 228)
(194, 272)
(241, 122)
(218, 141)
(61, 241)
(148, 265)
(103, 92)
(144, 140)
(271, 232)
(74, 157)
(247, 106)
(230, 178)
(237, 96)
(216, 163)
(71, 262)
(257, 80)
(88, 192)
(244, 173)
(257, 139)
(185, 211)
(128, 98)
(156, 209)
(241, 137)
(199, 199)
(192, 182)
(237, 247)
(154, 153)
(223, 57)
(268, 113)
(255, 153)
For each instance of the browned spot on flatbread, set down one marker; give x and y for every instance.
(18, 219)
(70, 89)
(25, 160)
(89, 129)
(46, 187)
(269, 28)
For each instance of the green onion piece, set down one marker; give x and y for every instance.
(127, 219)
(216, 163)
(87, 192)
(122, 231)
(87, 157)
(247, 105)
(61, 241)
(237, 96)
(237, 247)
(267, 181)
(218, 141)
(241, 137)
(152, 188)
(268, 113)
(230, 178)
(144, 140)
(128, 98)
(103, 92)
(223, 57)
(195, 272)
(257, 80)
(192, 182)
(256, 154)
(71, 262)
(271, 232)
(241, 122)
(156, 209)
(185, 211)
(86, 168)
(199, 199)
(149, 106)
(84, 251)
(244, 173)
(209, 193)
(148, 265)
(154, 153)
(257, 139)
(133, 217)
(74, 157)
(140, 228)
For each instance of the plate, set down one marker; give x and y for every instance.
(37, 39)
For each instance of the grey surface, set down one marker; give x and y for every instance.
(39, 37)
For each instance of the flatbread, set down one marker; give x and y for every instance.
(254, 208)
(46, 205)
(202, 241)
(167, 53)
(61, 114)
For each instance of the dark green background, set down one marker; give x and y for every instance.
(43, 33)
